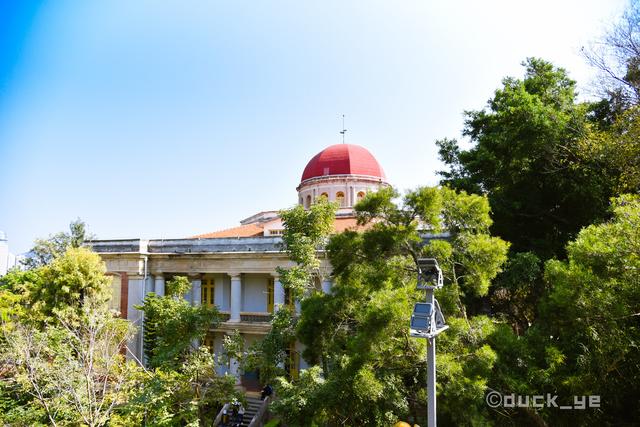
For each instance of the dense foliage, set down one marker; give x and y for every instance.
(306, 233)
(181, 386)
(555, 170)
(524, 158)
(62, 355)
(46, 250)
(172, 326)
(358, 334)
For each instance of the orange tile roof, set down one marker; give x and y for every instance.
(255, 230)
(249, 230)
(342, 224)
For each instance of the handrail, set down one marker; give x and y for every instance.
(219, 417)
(256, 421)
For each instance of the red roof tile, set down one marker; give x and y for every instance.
(249, 230)
(256, 230)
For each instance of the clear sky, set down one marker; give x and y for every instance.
(172, 118)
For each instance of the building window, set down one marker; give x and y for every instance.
(360, 195)
(308, 204)
(276, 232)
(116, 287)
(207, 291)
(340, 198)
(270, 288)
(325, 195)
(292, 361)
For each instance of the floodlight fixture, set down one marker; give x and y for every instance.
(421, 319)
(426, 320)
(429, 274)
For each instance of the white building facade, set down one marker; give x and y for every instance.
(236, 269)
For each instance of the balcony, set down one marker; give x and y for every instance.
(255, 317)
(250, 322)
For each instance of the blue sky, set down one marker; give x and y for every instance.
(172, 118)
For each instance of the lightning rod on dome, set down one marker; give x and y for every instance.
(343, 131)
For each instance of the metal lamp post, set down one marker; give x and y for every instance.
(427, 322)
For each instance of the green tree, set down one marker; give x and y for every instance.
(71, 372)
(59, 288)
(181, 386)
(584, 341)
(306, 233)
(374, 372)
(597, 290)
(524, 157)
(61, 343)
(190, 395)
(517, 290)
(614, 151)
(172, 325)
(44, 251)
(268, 355)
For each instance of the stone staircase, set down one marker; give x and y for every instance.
(251, 410)
(253, 405)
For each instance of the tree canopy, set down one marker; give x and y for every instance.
(358, 335)
(523, 157)
(172, 326)
(61, 353)
(44, 251)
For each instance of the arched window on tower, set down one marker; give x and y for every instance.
(325, 195)
(340, 198)
(308, 204)
(360, 195)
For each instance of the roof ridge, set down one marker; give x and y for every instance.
(226, 230)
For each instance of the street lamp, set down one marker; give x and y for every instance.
(429, 274)
(427, 322)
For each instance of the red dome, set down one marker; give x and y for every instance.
(343, 159)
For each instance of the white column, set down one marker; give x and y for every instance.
(278, 293)
(159, 284)
(326, 286)
(236, 297)
(196, 285)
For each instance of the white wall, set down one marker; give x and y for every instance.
(222, 293)
(254, 292)
(135, 297)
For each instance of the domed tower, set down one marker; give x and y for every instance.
(343, 173)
